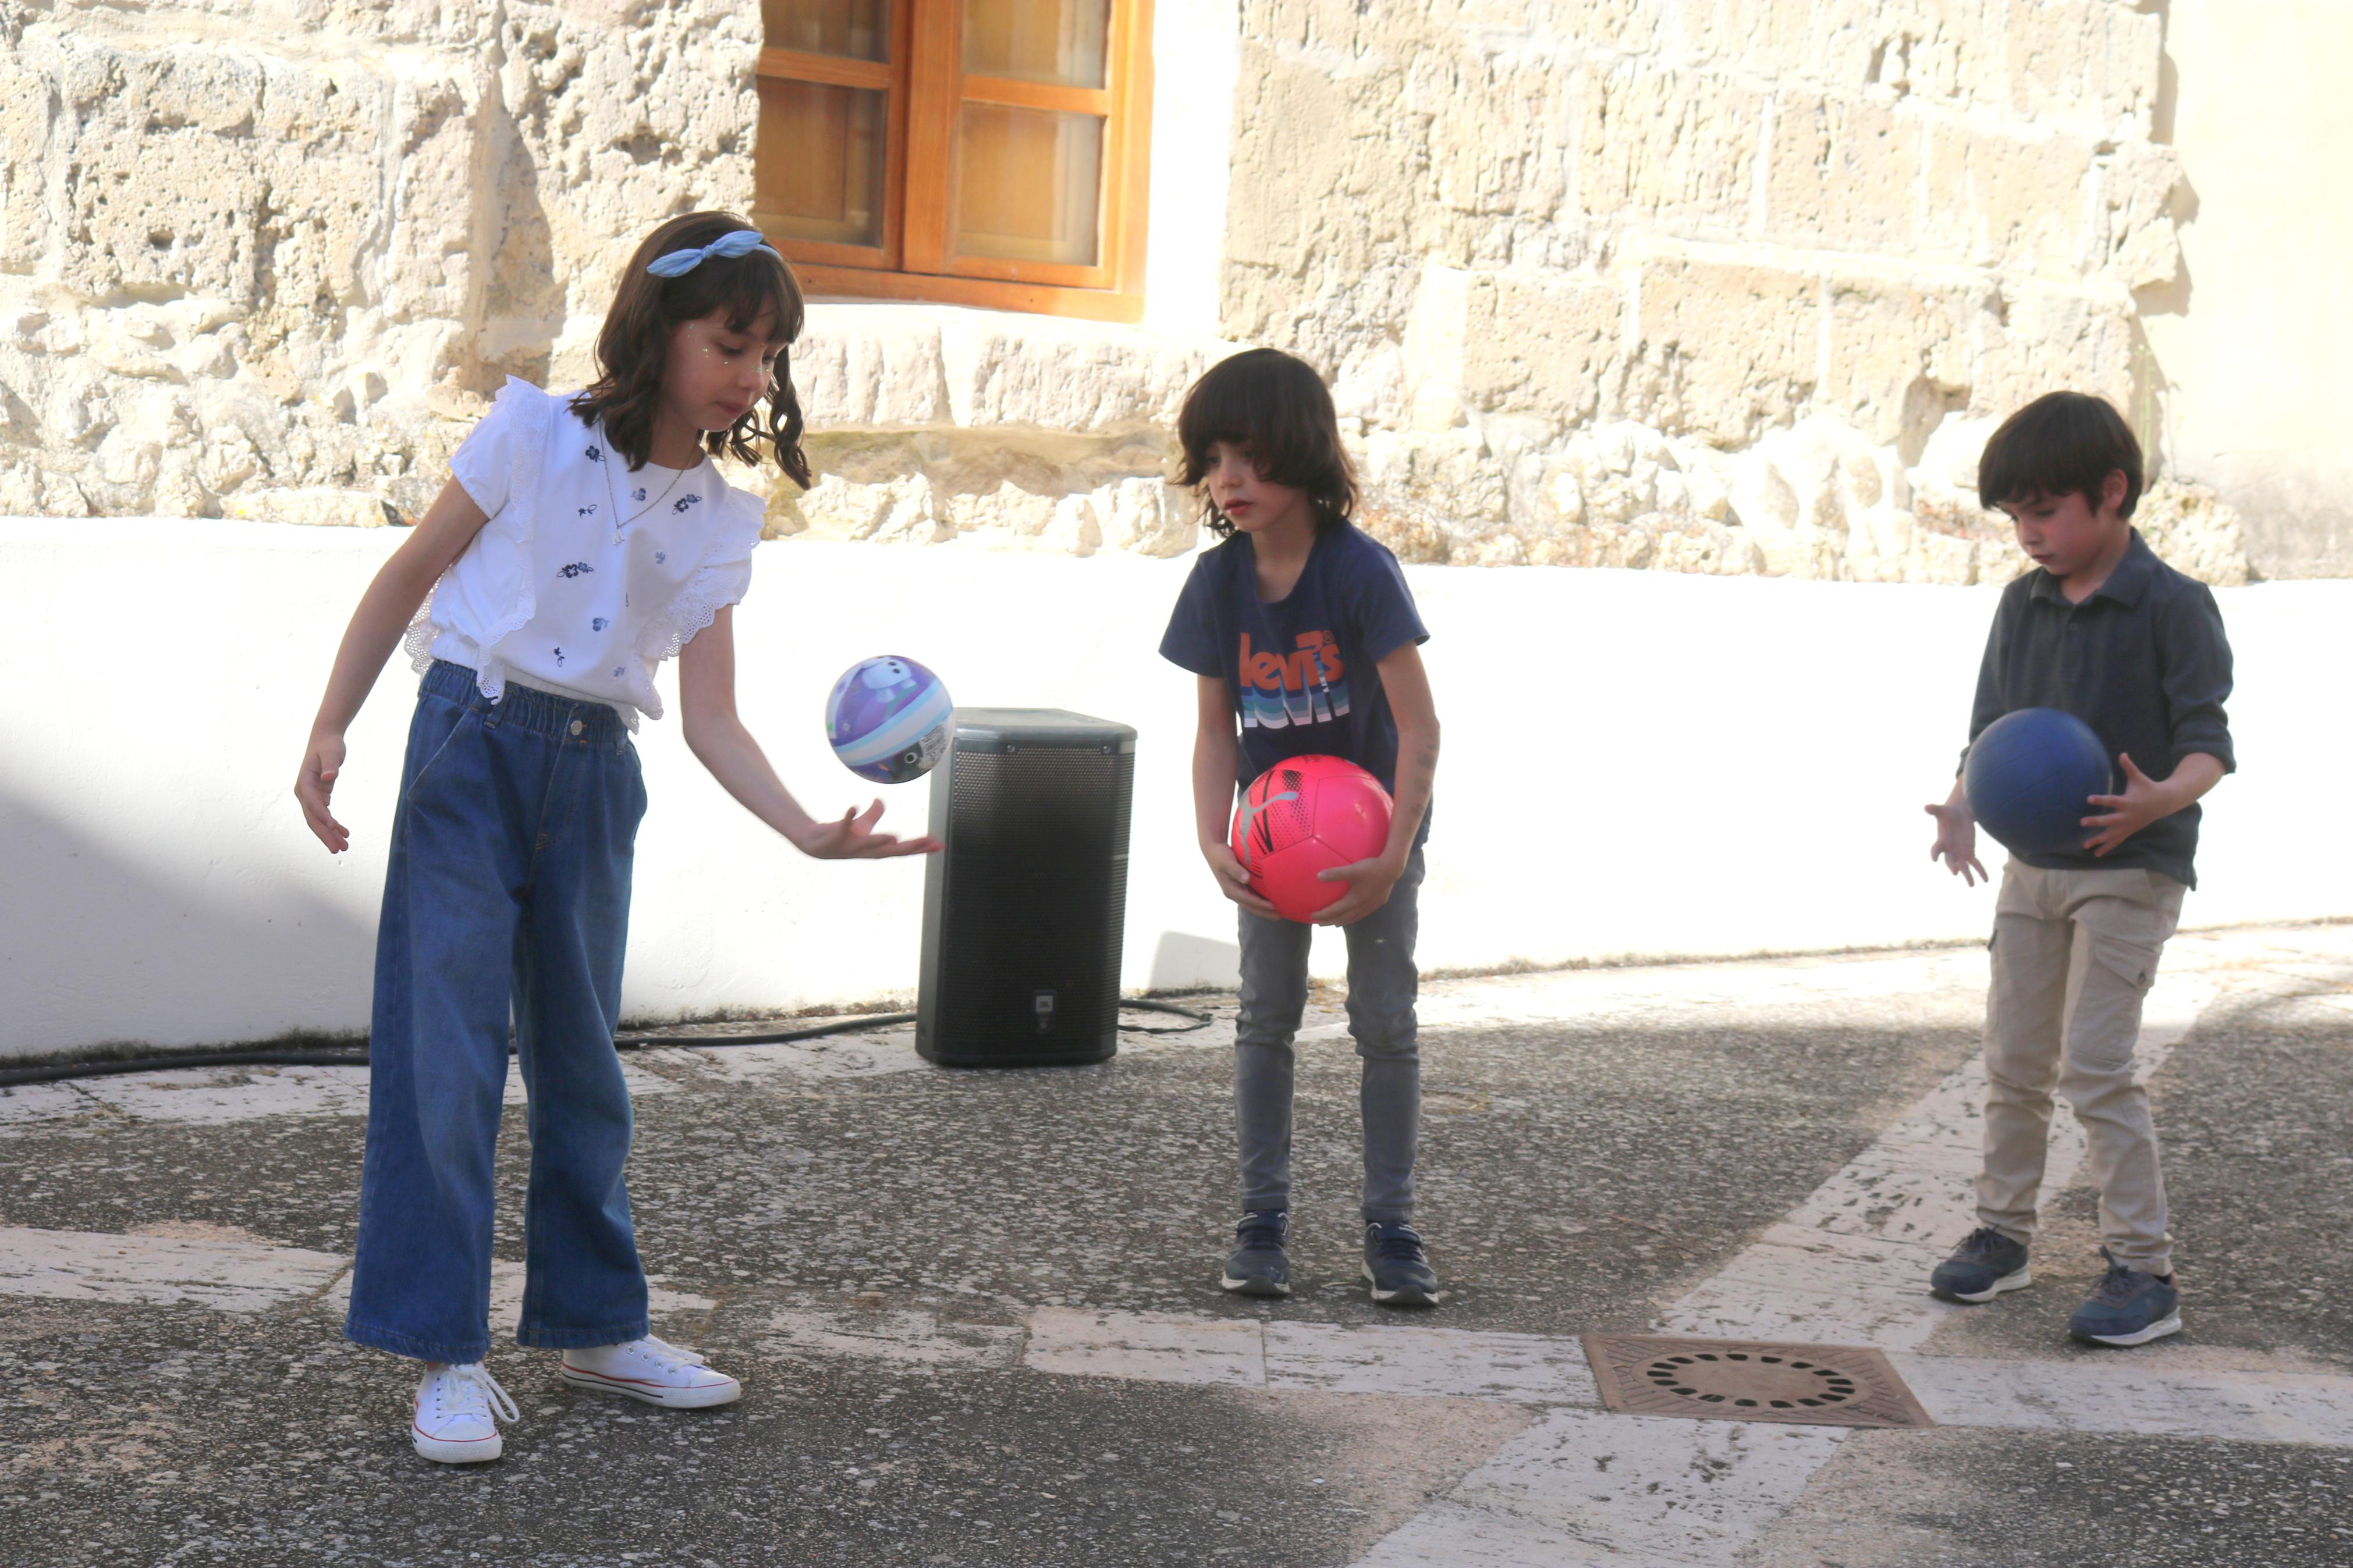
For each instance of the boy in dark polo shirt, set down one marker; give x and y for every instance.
(2104, 630)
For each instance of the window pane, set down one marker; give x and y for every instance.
(1059, 41)
(1026, 184)
(819, 169)
(858, 28)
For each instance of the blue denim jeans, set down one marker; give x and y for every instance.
(1382, 983)
(507, 898)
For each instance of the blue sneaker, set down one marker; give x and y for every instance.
(1396, 1267)
(1259, 1266)
(2130, 1307)
(1985, 1265)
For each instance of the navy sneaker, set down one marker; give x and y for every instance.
(1981, 1267)
(1259, 1266)
(2130, 1307)
(1397, 1268)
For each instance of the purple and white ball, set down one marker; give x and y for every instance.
(889, 719)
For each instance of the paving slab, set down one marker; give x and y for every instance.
(1963, 1499)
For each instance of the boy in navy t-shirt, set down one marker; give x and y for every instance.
(1301, 629)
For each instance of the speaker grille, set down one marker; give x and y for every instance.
(1038, 803)
(1026, 907)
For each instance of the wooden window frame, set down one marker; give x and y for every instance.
(925, 90)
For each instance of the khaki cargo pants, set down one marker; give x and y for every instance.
(2074, 954)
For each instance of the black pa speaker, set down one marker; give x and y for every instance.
(1025, 907)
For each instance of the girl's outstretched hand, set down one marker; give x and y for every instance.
(315, 784)
(853, 838)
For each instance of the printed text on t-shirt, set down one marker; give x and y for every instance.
(1304, 687)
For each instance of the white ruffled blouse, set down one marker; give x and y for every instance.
(550, 592)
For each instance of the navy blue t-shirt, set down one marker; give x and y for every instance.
(1303, 670)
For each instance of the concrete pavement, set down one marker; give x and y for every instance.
(976, 1318)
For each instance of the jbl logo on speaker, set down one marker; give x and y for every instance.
(1042, 1003)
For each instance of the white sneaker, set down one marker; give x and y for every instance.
(458, 1412)
(649, 1370)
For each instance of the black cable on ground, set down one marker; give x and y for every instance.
(1200, 1020)
(51, 1072)
(841, 1026)
(56, 1072)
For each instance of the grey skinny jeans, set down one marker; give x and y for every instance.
(1382, 981)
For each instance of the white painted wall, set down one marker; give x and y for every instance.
(1636, 762)
(2254, 341)
(1195, 54)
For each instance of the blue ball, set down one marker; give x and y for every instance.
(2029, 777)
(889, 719)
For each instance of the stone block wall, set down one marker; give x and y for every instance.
(267, 257)
(1701, 285)
(934, 426)
(1713, 285)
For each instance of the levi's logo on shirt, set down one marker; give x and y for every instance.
(1304, 687)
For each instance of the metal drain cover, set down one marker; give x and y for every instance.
(1750, 1380)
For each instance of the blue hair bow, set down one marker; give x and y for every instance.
(678, 263)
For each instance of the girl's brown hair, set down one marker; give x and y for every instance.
(1277, 409)
(634, 345)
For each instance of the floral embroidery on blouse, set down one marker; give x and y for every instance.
(494, 613)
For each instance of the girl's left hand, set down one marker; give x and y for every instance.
(314, 786)
(853, 838)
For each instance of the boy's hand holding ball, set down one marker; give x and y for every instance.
(1369, 882)
(1234, 881)
(2145, 800)
(1306, 824)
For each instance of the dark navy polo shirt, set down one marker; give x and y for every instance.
(2143, 661)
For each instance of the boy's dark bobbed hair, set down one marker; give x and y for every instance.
(2062, 443)
(634, 345)
(1279, 410)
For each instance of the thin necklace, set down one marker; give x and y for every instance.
(612, 497)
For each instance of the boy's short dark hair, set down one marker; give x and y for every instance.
(2062, 443)
(1279, 410)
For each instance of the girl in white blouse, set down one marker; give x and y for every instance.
(583, 540)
